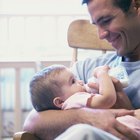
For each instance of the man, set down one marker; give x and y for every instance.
(117, 22)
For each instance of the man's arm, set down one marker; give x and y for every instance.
(49, 124)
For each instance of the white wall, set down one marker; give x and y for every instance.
(42, 7)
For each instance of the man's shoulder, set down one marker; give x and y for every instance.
(103, 59)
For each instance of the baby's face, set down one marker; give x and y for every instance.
(70, 84)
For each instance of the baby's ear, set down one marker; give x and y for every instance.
(58, 102)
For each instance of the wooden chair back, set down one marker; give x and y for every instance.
(24, 136)
(83, 35)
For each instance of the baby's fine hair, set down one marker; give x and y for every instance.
(44, 87)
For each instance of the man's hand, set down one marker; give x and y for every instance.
(122, 99)
(106, 120)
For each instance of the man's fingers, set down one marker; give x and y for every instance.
(122, 112)
(126, 132)
(117, 84)
(114, 131)
(119, 135)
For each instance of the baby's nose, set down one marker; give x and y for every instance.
(81, 82)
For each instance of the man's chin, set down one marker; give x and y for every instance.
(119, 53)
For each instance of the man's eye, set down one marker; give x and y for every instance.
(105, 21)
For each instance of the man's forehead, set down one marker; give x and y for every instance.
(100, 10)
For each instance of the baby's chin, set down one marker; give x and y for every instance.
(84, 89)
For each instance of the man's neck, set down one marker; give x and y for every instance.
(132, 57)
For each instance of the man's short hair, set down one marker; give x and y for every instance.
(124, 5)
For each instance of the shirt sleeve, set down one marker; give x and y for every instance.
(78, 100)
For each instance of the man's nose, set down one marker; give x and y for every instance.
(103, 33)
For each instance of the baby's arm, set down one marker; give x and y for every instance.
(107, 94)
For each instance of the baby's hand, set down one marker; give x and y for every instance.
(101, 69)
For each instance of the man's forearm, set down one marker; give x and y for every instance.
(50, 123)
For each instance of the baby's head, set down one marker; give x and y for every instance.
(45, 86)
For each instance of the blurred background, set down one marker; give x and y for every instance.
(33, 34)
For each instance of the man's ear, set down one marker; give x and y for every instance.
(136, 3)
(58, 102)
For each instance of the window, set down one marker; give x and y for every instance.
(37, 29)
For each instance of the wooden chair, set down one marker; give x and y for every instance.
(83, 35)
(24, 136)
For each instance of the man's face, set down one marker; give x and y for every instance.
(118, 28)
